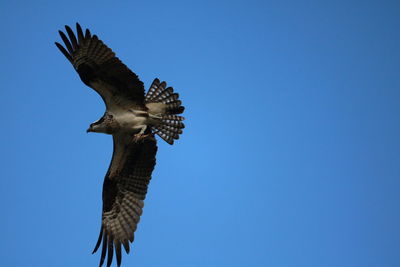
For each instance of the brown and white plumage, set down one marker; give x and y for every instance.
(124, 190)
(132, 119)
(101, 70)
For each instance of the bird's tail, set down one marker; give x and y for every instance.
(164, 105)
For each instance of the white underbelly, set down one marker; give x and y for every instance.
(131, 121)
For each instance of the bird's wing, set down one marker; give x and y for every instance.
(100, 69)
(124, 190)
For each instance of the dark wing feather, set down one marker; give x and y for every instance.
(124, 190)
(99, 68)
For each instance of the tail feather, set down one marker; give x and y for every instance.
(156, 89)
(174, 123)
(172, 98)
(175, 118)
(170, 126)
(172, 129)
(164, 94)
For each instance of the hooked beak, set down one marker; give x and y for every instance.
(88, 130)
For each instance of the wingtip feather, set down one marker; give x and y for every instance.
(118, 253)
(66, 42)
(125, 243)
(71, 36)
(110, 251)
(79, 33)
(64, 51)
(87, 34)
(98, 240)
(103, 250)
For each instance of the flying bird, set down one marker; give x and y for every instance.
(132, 118)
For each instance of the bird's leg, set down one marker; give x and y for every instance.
(140, 136)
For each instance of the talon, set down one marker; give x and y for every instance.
(139, 137)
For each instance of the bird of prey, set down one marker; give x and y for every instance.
(133, 119)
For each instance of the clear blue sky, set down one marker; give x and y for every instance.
(290, 157)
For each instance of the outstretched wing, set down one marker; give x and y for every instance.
(101, 70)
(124, 190)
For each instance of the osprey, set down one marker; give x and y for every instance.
(132, 118)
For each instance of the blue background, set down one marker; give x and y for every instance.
(290, 156)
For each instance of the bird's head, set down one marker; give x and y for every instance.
(97, 126)
(104, 125)
(90, 129)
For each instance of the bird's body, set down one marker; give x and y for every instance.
(132, 118)
(130, 121)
